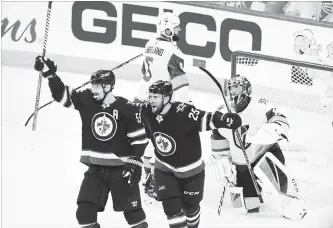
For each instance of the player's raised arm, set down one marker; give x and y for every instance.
(61, 93)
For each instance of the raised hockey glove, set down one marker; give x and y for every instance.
(231, 120)
(133, 170)
(50, 65)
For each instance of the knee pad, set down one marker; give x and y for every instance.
(191, 210)
(136, 218)
(86, 213)
(172, 206)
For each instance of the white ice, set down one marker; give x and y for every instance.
(41, 172)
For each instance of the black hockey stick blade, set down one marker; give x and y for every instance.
(218, 85)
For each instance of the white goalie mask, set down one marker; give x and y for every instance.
(239, 90)
(166, 24)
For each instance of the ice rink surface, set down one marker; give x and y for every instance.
(41, 172)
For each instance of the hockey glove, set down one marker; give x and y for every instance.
(231, 120)
(133, 170)
(51, 67)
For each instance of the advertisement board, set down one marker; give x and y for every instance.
(84, 36)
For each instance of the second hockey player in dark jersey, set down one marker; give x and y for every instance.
(174, 130)
(113, 142)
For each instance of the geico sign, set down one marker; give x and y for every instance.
(127, 24)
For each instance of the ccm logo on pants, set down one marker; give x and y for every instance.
(191, 193)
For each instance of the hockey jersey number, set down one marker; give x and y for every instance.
(194, 114)
(147, 72)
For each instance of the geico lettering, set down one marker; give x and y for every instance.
(191, 193)
(110, 26)
(110, 34)
(128, 25)
(208, 21)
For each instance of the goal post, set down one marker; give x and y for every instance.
(303, 90)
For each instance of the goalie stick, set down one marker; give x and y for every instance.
(40, 76)
(239, 140)
(84, 84)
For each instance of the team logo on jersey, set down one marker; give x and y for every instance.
(165, 145)
(103, 126)
(242, 130)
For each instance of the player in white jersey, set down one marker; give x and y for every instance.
(162, 60)
(262, 127)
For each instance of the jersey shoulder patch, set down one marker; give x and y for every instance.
(181, 107)
(128, 106)
(85, 96)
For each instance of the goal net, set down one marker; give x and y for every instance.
(302, 90)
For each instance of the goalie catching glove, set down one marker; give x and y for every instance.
(40, 62)
(133, 170)
(274, 130)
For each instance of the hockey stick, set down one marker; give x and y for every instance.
(222, 196)
(237, 135)
(84, 84)
(40, 77)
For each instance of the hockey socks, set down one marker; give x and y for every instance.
(177, 221)
(92, 225)
(142, 224)
(193, 219)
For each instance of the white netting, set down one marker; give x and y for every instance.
(305, 94)
(292, 86)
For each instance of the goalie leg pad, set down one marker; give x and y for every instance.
(243, 204)
(280, 175)
(289, 206)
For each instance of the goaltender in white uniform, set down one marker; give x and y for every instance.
(162, 60)
(262, 127)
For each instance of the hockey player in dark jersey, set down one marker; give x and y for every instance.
(179, 173)
(113, 142)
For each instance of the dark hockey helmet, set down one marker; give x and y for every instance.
(103, 77)
(161, 87)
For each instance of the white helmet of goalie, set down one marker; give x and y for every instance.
(239, 91)
(168, 25)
